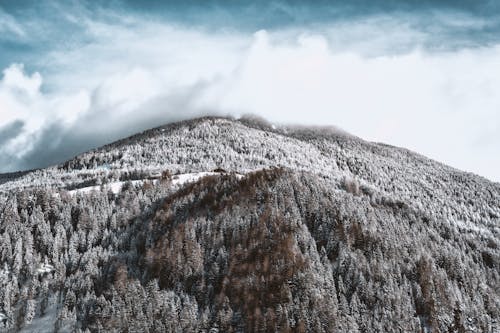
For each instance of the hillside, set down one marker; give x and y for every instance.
(219, 225)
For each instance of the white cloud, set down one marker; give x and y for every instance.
(22, 100)
(443, 105)
(438, 104)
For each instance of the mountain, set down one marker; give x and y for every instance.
(237, 225)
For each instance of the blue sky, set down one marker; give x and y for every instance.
(424, 75)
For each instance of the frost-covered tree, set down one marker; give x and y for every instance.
(307, 230)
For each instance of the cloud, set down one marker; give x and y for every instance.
(88, 104)
(9, 27)
(15, 80)
(438, 104)
(128, 74)
(10, 131)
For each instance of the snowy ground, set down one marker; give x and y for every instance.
(114, 187)
(45, 323)
(177, 180)
(45, 268)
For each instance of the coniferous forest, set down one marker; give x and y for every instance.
(235, 225)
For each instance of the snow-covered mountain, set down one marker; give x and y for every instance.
(218, 224)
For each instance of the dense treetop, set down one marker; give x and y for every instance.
(299, 229)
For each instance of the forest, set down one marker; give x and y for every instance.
(298, 230)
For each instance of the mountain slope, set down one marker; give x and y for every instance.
(309, 229)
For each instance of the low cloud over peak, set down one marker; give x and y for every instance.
(375, 75)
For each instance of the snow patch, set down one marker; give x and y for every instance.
(114, 187)
(191, 177)
(177, 180)
(45, 268)
(468, 226)
(194, 177)
(45, 323)
(4, 273)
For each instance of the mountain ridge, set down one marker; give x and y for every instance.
(216, 225)
(331, 153)
(295, 131)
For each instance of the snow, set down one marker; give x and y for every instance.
(4, 273)
(391, 176)
(177, 180)
(191, 177)
(202, 145)
(45, 323)
(45, 268)
(468, 226)
(114, 187)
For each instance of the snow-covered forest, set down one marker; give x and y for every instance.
(224, 225)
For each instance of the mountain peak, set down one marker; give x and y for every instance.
(239, 223)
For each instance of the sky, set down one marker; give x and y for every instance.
(424, 75)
